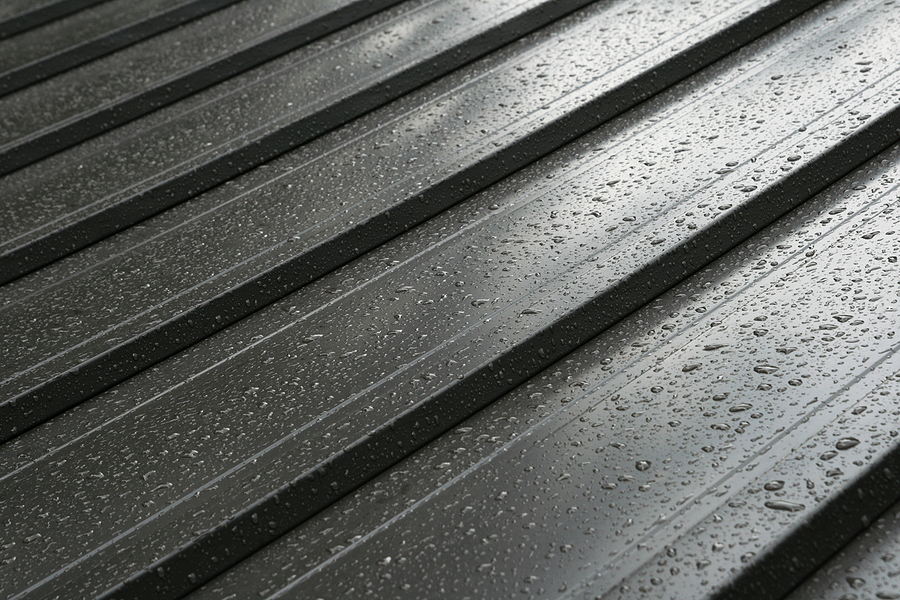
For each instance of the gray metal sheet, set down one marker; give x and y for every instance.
(107, 92)
(865, 568)
(17, 16)
(99, 188)
(720, 442)
(86, 35)
(267, 234)
(185, 468)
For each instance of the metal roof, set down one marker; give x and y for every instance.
(446, 298)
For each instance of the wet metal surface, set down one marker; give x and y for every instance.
(17, 16)
(421, 338)
(691, 436)
(261, 241)
(80, 103)
(54, 48)
(866, 568)
(98, 188)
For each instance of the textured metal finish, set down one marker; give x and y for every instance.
(98, 189)
(259, 246)
(110, 91)
(744, 420)
(17, 16)
(52, 49)
(866, 568)
(289, 335)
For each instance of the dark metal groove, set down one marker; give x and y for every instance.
(21, 15)
(39, 68)
(312, 254)
(68, 128)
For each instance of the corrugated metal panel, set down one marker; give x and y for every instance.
(108, 92)
(227, 314)
(28, 58)
(17, 16)
(865, 568)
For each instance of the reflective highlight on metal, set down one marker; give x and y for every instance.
(537, 298)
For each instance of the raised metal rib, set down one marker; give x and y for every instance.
(868, 565)
(17, 16)
(721, 442)
(83, 102)
(90, 34)
(270, 421)
(99, 188)
(273, 231)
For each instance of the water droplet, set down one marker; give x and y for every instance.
(774, 485)
(765, 369)
(846, 443)
(642, 465)
(784, 505)
(856, 582)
